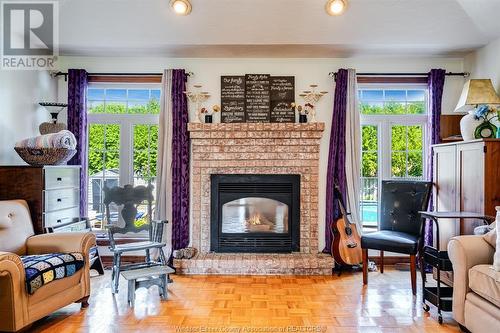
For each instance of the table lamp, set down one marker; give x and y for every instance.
(476, 92)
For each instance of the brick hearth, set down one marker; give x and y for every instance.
(255, 148)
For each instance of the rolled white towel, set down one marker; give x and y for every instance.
(62, 139)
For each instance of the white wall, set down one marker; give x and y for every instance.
(20, 92)
(485, 63)
(306, 71)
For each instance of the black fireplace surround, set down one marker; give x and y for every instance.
(255, 213)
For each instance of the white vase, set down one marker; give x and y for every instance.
(468, 125)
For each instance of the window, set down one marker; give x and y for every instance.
(123, 139)
(393, 120)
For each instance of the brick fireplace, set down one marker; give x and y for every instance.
(255, 149)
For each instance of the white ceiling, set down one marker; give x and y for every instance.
(281, 28)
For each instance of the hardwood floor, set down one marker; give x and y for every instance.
(256, 304)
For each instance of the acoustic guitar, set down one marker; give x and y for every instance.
(346, 243)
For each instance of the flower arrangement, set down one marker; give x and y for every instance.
(297, 107)
(208, 113)
(487, 114)
(309, 108)
(205, 111)
(302, 110)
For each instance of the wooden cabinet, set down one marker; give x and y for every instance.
(52, 193)
(466, 178)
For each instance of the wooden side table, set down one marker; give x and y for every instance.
(147, 277)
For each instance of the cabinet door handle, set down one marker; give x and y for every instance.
(59, 221)
(59, 179)
(59, 199)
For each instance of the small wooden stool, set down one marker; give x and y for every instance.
(149, 276)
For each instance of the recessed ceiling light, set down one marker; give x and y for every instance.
(181, 7)
(336, 7)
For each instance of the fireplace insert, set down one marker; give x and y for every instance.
(255, 213)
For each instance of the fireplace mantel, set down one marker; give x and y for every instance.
(255, 148)
(242, 128)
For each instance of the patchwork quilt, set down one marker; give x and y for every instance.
(44, 268)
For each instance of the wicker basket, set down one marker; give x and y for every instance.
(45, 156)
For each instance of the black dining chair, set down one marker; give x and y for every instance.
(401, 228)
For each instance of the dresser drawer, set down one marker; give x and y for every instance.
(61, 177)
(61, 199)
(61, 216)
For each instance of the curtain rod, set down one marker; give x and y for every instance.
(65, 74)
(463, 74)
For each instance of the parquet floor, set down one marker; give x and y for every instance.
(256, 304)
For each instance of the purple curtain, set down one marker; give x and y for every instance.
(180, 161)
(336, 157)
(435, 82)
(77, 124)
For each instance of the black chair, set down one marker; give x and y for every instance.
(128, 220)
(401, 228)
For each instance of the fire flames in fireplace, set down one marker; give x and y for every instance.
(257, 222)
(255, 219)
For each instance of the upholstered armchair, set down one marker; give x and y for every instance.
(19, 308)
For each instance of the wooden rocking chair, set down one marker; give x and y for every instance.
(128, 199)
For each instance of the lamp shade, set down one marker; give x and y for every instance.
(476, 91)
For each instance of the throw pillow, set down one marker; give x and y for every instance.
(496, 257)
(491, 236)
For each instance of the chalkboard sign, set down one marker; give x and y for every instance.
(282, 112)
(282, 95)
(233, 111)
(282, 88)
(232, 87)
(233, 99)
(257, 98)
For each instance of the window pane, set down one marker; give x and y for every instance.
(141, 139)
(145, 152)
(96, 137)
(395, 95)
(415, 137)
(415, 164)
(116, 94)
(116, 107)
(398, 138)
(139, 107)
(95, 106)
(416, 108)
(394, 108)
(155, 94)
(95, 94)
(369, 201)
(416, 95)
(369, 165)
(370, 138)
(373, 95)
(372, 108)
(103, 167)
(112, 137)
(96, 162)
(392, 101)
(398, 164)
(138, 94)
(154, 106)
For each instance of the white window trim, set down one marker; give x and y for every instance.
(126, 123)
(384, 124)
